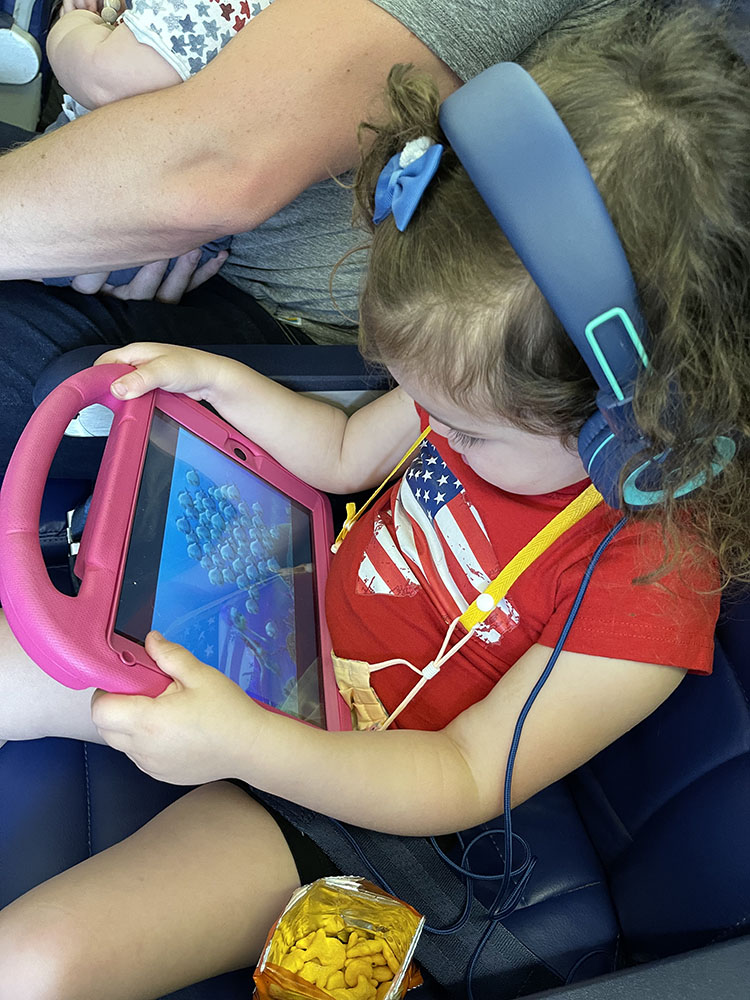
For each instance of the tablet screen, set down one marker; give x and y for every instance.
(220, 561)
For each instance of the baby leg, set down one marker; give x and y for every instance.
(190, 895)
(32, 704)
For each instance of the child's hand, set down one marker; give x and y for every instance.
(202, 728)
(93, 5)
(163, 366)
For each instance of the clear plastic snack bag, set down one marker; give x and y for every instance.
(340, 938)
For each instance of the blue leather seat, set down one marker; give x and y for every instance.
(642, 853)
(668, 807)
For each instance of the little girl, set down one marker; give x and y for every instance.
(660, 108)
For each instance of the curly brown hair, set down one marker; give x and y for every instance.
(658, 103)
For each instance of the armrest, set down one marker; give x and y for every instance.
(305, 367)
(20, 53)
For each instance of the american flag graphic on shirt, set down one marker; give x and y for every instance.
(434, 540)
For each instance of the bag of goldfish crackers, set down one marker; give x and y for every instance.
(340, 938)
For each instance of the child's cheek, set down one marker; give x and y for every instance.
(488, 471)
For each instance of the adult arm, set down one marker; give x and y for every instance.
(157, 175)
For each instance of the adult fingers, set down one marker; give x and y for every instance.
(177, 282)
(208, 270)
(90, 284)
(144, 285)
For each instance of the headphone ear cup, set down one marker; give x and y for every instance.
(603, 456)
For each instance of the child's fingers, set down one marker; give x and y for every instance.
(116, 713)
(138, 353)
(154, 364)
(158, 366)
(173, 659)
(154, 374)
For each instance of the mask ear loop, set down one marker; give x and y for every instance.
(490, 598)
(353, 515)
(426, 673)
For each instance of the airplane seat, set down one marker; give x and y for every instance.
(70, 800)
(668, 808)
(24, 70)
(640, 854)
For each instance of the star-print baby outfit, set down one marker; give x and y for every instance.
(189, 33)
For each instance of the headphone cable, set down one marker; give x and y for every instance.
(508, 896)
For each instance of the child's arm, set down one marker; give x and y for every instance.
(314, 440)
(407, 782)
(97, 64)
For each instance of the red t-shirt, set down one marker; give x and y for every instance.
(438, 536)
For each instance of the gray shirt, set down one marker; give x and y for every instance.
(287, 263)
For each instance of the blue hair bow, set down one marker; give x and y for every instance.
(403, 181)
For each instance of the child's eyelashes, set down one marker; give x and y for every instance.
(460, 439)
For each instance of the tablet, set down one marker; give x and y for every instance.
(193, 530)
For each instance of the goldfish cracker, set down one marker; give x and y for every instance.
(331, 923)
(355, 968)
(316, 973)
(328, 950)
(382, 974)
(313, 972)
(336, 981)
(307, 940)
(393, 963)
(293, 960)
(382, 991)
(364, 990)
(369, 946)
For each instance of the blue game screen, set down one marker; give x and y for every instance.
(220, 561)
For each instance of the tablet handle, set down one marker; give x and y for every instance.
(50, 625)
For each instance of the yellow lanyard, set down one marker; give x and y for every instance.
(493, 594)
(353, 515)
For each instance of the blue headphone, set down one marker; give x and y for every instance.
(524, 163)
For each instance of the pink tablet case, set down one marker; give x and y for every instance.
(71, 638)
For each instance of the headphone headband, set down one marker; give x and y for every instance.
(524, 163)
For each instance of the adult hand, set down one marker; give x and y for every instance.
(164, 366)
(202, 728)
(151, 283)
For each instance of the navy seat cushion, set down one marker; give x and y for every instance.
(65, 800)
(668, 807)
